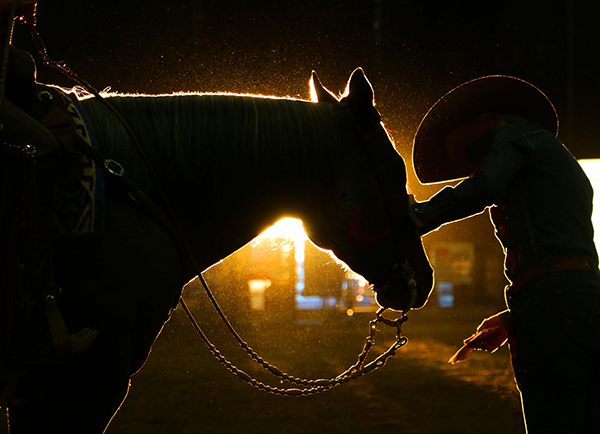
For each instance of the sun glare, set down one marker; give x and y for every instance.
(286, 228)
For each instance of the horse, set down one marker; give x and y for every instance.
(230, 166)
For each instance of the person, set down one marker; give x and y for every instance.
(500, 134)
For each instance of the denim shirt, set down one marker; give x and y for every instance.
(539, 198)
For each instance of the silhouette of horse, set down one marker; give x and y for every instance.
(231, 166)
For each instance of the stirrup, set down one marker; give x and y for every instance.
(65, 345)
(82, 340)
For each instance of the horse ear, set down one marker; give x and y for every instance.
(318, 93)
(359, 92)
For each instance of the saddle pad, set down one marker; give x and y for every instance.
(80, 210)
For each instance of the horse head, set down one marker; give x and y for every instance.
(372, 232)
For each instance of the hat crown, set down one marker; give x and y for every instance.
(498, 94)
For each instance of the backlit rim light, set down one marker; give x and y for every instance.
(291, 229)
(288, 227)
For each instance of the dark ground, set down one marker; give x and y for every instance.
(183, 389)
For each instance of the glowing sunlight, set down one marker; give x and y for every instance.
(591, 168)
(289, 228)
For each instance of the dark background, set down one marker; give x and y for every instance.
(412, 51)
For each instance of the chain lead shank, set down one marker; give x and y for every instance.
(310, 387)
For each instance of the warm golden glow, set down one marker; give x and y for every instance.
(106, 93)
(592, 170)
(313, 92)
(258, 285)
(258, 288)
(289, 228)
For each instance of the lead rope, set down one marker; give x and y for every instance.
(311, 387)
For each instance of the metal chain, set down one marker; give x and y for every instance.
(311, 387)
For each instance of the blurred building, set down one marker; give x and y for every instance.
(276, 277)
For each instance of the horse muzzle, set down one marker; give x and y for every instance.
(400, 291)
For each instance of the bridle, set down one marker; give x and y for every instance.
(165, 216)
(402, 270)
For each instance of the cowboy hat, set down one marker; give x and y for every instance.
(457, 115)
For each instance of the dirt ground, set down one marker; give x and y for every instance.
(183, 388)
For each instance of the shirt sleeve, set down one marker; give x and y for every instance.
(509, 152)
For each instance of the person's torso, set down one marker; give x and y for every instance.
(545, 211)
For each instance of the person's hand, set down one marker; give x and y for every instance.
(411, 199)
(26, 11)
(410, 202)
(491, 334)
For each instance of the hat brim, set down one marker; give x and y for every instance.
(490, 94)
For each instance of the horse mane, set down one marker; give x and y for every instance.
(195, 137)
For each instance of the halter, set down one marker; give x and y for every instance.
(165, 217)
(401, 270)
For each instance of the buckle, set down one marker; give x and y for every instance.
(114, 167)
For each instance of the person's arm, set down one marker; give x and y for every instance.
(471, 196)
(25, 12)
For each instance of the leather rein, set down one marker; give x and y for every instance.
(165, 216)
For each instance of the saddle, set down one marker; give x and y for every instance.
(33, 329)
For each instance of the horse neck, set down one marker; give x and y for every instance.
(232, 166)
(285, 173)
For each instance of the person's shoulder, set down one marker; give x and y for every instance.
(523, 132)
(523, 129)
